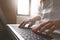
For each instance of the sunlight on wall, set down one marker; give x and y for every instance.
(23, 7)
(35, 4)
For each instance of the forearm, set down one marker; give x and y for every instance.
(36, 18)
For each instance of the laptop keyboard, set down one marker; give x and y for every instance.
(27, 34)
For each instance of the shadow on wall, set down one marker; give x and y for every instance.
(3, 20)
(9, 9)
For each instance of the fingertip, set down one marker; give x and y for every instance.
(50, 31)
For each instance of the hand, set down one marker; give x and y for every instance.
(30, 22)
(51, 25)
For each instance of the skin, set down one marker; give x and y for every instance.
(51, 25)
(30, 21)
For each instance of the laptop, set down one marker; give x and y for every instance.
(27, 34)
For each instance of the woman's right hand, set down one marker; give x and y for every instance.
(30, 22)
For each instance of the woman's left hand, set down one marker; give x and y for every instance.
(51, 25)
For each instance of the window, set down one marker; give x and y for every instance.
(23, 7)
(35, 4)
(28, 7)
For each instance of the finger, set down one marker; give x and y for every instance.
(37, 30)
(30, 25)
(50, 31)
(43, 26)
(23, 24)
(34, 30)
